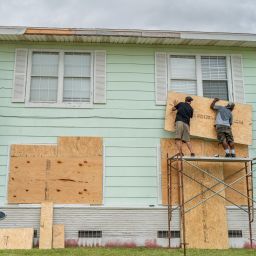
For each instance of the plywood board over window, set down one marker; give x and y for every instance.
(202, 123)
(209, 220)
(70, 172)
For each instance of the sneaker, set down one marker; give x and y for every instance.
(228, 155)
(233, 155)
(192, 154)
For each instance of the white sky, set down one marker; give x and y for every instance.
(198, 15)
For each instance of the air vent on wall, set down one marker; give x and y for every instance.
(164, 234)
(89, 233)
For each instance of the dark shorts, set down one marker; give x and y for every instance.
(224, 133)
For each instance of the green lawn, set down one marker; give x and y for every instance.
(128, 252)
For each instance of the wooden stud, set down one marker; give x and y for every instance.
(46, 222)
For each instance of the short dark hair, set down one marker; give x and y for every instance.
(188, 99)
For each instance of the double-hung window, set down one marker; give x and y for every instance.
(206, 76)
(183, 74)
(60, 78)
(214, 77)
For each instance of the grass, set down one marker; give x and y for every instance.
(128, 252)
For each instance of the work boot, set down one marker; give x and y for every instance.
(233, 155)
(228, 155)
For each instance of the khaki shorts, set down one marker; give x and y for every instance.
(182, 131)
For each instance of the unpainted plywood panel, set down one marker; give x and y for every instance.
(75, 176)
(58, 240)
(33, 150)
(27, 180)
(46, 222)
(209, 219)
(76, 180)
(202, 123)
(230, 170)
(80, 146)
(168, 147)
(16, 238)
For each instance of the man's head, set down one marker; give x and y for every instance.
(230, 106)
(188, 99)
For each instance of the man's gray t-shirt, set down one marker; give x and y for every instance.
(224, 116)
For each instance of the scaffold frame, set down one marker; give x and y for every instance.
(248, 169)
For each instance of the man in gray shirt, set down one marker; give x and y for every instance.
(224, 120)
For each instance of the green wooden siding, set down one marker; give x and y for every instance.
(130, 122)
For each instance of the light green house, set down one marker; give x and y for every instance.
(113, 84)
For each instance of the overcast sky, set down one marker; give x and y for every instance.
(198, 15)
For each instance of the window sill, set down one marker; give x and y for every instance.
(59, 105)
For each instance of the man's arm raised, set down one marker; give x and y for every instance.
(213, 103)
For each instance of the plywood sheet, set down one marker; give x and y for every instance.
(58, 236)
(80, 146)
(209, 219)
(229, 176)
(202, 123)
(37, 174)
(16, 238)
(46, 222)
(76, 180)
(33, 150)
(27, 180)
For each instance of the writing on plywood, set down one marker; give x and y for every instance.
(202, 123)
(16, 238)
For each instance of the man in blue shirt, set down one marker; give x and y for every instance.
(224, 120)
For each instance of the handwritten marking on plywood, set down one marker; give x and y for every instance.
(16, 238)
(58, 236)
(202, 123)
(46, 222)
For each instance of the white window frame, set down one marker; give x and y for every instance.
(199, 80)
(59, 102)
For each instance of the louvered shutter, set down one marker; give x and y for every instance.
(100, 77)
(237, 78)
(20, 71)
(160, 78)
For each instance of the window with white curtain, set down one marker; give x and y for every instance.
(199, 75)
(60, 77)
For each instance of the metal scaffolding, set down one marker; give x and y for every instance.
(248, 169)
